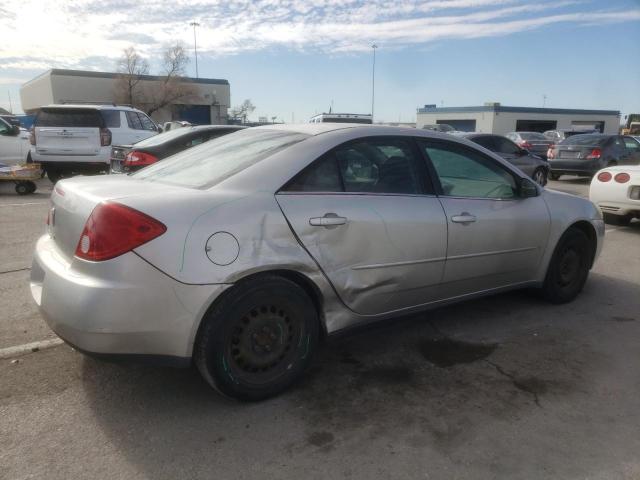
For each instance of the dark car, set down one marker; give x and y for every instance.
(129, 158)
(535, 142)
(584, 155)
(556, 136)
(531, 164)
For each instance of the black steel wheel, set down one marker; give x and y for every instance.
(569, 267)
(258, 339)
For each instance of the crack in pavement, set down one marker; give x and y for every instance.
(518, 383)
(17, 270)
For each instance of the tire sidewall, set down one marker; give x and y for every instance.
(211, 355)
(576, 240)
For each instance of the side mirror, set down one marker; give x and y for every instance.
(522, 152)
(15, 130)
(527, 188)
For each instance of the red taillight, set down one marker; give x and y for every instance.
(595, 153)
(105, 137)
(113, 229)
(32, 136)
(622, 178)
(139, 159)
(604, 176)
(526, 145)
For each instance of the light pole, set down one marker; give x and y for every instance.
(373, 80)
(195, 44)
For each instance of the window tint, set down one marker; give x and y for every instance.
(486, 142)
(69, 117)
(321, 176)
(133, 120)
(464, 173)
(631, 144)
(504, 145)
(585, 139)
(111, 118)
(368, 166)
(4, 127)
(146, 122)
(212, 162)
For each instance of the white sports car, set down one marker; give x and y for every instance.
(616, 191)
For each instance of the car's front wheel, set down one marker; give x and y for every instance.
(259, 339)
(540, 176)
(569, 267)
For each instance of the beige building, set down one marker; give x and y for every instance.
(499, 119)
(208, 104)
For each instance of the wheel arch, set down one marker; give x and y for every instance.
(589, 230)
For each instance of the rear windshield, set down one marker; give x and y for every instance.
(212, 162)
(585, 140)
(164, 137)
(69, 117)
(532, 136)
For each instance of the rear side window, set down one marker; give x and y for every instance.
(486, 142)
(384, 165)
(146, 122)
(111, 118)
(504, 145)
(69, 117)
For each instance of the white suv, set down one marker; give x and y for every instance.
(69, 139)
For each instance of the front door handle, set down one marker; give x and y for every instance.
(329, 220)
(464, 217)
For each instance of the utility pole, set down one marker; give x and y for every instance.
(195, 44)
(373, 80)
(10, 105)
(544, 100)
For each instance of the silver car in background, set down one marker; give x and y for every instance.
(241, 253)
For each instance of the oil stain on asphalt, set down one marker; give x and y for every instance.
(446, 352)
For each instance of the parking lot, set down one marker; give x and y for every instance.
(507, 386)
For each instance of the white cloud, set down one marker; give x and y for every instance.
(92, 33)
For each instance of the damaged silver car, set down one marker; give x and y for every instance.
(240, 254)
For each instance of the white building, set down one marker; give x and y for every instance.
(499, 119)
(208, 105)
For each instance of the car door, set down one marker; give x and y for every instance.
(368, 215)
(10, 144)
(495, 237)
(632, 149)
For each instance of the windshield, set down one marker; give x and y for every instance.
(212, 162)
(586, 140)
(532, 136)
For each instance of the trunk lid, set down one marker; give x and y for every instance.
(73, 200)
(68, 131)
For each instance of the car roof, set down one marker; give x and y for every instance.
(314, 129)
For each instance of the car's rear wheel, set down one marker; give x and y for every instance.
(569, 267)
(259, 339)
(540, 176)
(620, 220)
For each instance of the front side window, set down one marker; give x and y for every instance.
(384, 166)
(4, 128)
(146, 122)
(134, 121)
(465, 173)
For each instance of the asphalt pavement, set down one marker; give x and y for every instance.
(503, 387)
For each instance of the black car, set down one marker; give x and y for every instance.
(584, 155)
(130, 158)
(534, 166)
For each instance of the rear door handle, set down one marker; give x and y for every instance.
(329, 220)
(464, 217)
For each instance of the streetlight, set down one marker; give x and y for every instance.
(373, 80)
(195, 45)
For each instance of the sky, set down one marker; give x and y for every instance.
(295, 58)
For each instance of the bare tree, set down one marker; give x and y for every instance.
(242, 111)
(131, 68)
(153, 96)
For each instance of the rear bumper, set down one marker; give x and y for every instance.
(121, 308)
(615, 199)
(575, 167)
(101, 158)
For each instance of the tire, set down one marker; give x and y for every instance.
(569, 267)
(32, 186)
(243, 350)
(54, 175)
(540, 176)
(619, 220)
(22, 188)
(554, 176)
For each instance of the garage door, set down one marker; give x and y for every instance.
(196, 114)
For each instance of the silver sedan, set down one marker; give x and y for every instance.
(240, 254)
